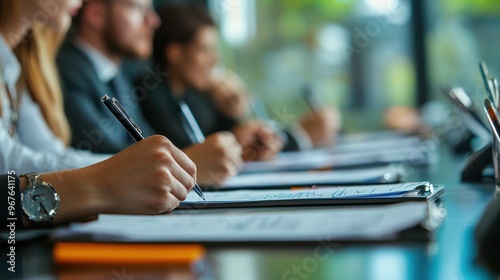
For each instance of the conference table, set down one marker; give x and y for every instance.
(450, 254)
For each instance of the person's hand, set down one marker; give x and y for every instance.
(150, 177)
(322, 126)
(230, 96)
(217, 159)
(403, 119)
(258, 141)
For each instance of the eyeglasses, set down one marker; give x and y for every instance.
(141, 8)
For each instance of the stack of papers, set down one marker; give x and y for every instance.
(362, 223)
(307, 160)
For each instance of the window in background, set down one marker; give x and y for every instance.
(460, 35)
(356, 54)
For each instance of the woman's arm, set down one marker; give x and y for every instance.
(150, 177)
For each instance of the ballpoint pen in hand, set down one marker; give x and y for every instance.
(132, 128)
(311, 99)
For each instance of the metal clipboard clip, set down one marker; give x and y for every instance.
(425, 189)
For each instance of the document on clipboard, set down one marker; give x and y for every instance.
(363, 223)
(322, 196)
(309, 160)
(375, 175)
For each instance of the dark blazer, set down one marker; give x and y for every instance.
(10, 190)
(93, 127)
(162, 111)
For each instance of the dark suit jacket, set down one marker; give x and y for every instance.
(162, 111)
(93, 127)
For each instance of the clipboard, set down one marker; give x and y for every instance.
(284, 180)
(284, 226)
(321, 196)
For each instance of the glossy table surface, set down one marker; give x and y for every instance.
(450, 255)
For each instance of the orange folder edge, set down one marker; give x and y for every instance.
(127, 253)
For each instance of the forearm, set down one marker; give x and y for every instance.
(79, 193)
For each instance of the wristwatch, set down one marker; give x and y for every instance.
(39, 201)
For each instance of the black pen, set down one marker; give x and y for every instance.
(132, 128)
(311, 99)
(493, 118)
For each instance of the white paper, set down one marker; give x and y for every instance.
(304, 178)
(318, 193)
(370, 136)
(361, 223)
(379, 144)
(358, 147)
(307, 160)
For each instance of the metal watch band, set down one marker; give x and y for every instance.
(34, 178)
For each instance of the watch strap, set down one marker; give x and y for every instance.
(33, 179)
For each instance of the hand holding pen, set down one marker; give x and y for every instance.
(129, 124)
(259, 141)
(312, 99)
(321, 123)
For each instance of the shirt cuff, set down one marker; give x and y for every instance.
(300, 136)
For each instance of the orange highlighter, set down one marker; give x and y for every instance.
(81, 253)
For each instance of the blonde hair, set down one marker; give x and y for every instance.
(37, 56)
(39, 74)
(7, 8)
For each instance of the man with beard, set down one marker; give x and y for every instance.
(107, 31)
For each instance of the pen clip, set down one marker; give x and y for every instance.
(114, 102)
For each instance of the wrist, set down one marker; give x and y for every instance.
(79, 198)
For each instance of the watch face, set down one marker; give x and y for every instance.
(40, 202)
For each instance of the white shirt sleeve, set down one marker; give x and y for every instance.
(22, 159)
(37, 149)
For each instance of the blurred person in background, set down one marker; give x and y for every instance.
(107, 32)
(185, 46)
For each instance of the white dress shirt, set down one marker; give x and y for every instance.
(34, 148)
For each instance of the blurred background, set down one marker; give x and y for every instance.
(362, 55)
